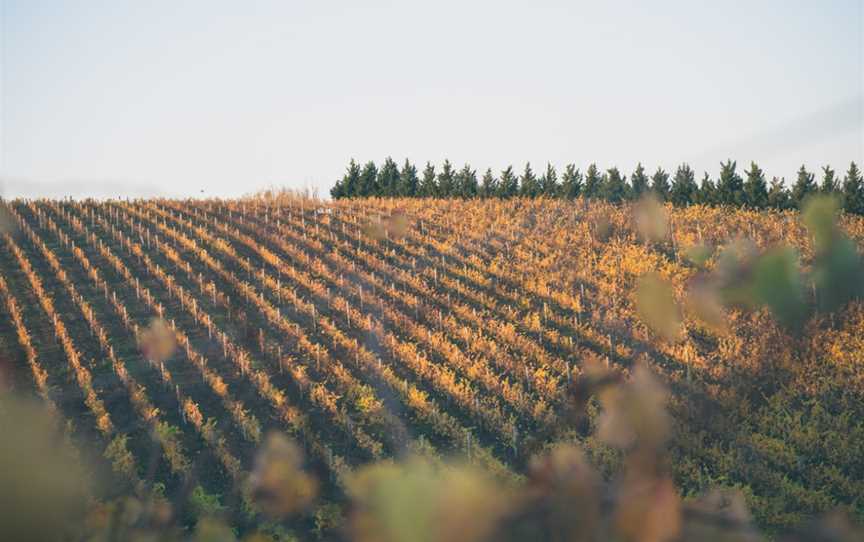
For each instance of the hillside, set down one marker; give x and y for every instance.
(368, 329)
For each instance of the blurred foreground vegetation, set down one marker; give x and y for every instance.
(48, 491)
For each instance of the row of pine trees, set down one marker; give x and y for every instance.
(730, 188)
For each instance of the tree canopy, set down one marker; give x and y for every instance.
(681, 190)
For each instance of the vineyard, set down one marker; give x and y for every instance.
(170, 338)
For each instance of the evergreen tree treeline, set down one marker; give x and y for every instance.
(748, 188)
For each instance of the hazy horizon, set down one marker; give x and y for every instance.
(109, 99)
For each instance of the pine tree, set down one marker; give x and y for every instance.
(408, 180)
(368, 185)
(428, 187)
(338, 190)
(660, 184)
(805, 185)
(508, 186)
(466, 182)
(707, 194)
(830, 182)
(755, 188)
(853, 190)
(352, 180)
(684, 189)
(346, 187)
(548, 184)
(778, 195)
(488, 186)
(638, 182)
(593, 182)
(528, 185)
(446, 181)
(614, 189)
(388, 179)
(730, 186)
(571, 182)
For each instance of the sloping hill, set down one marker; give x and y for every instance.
(372, 328)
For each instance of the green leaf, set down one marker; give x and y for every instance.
(777, 284)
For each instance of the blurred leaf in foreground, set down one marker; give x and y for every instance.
(655, 303)
(704, 302)
(834, 527)
(635, 413)
(719, 515)
(839, 275)
(393, 226)
(634, 418)
(418, 502)
(649, 508)
(278, 485)
(838, 270)
(820, 214)
(375, 230)
(698, 255)
(213, 530)
(567, 488)
(43, 486)
(157, 342)
(7, 222)
(603, 229)
(7, 368)
(733, 273)
(652, 220)
(397, 224)
(595, 377)
(778, 285)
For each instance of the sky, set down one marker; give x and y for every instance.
(181, 98)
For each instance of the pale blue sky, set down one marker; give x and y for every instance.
(172, 97)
